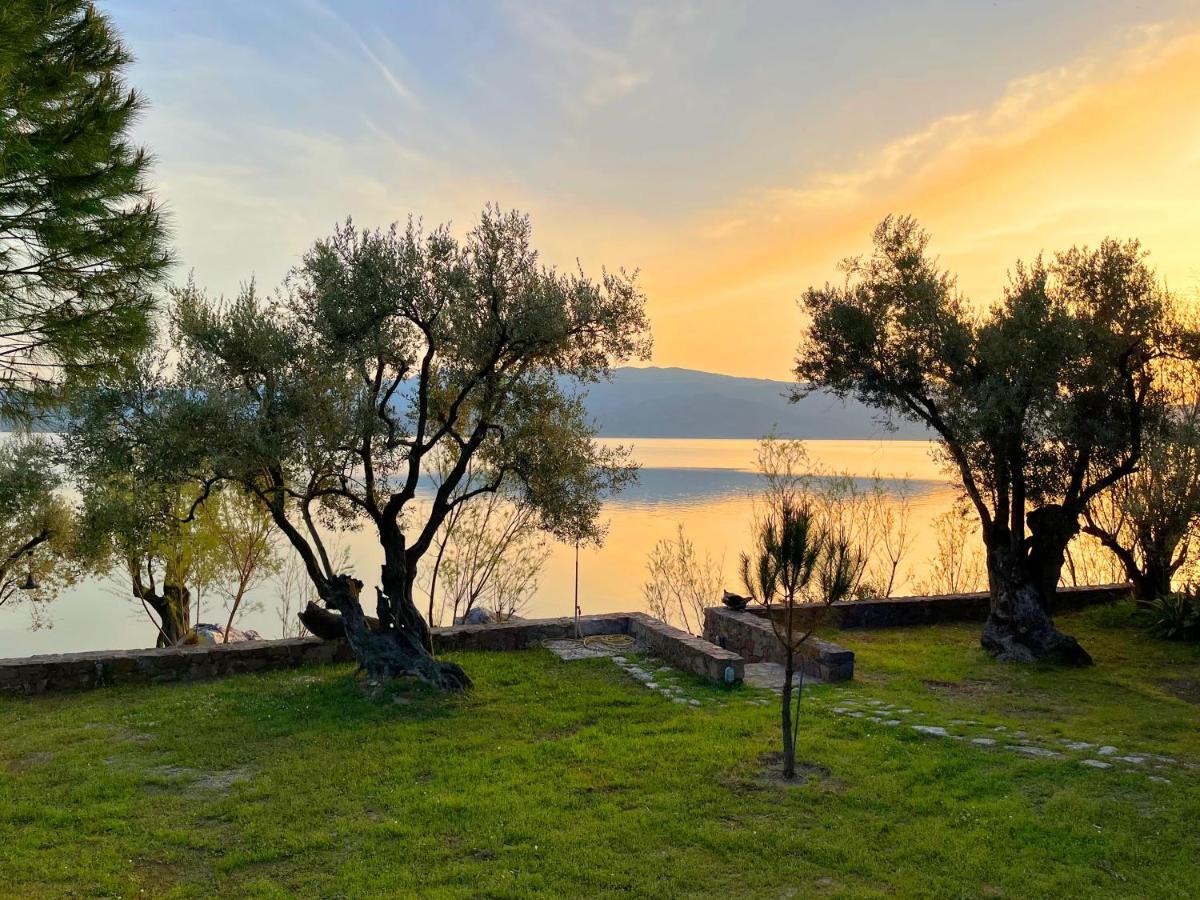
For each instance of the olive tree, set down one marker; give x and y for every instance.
(1039, 403)
(1150, 521)
(38, 528)
(384, 349)
(138, 506)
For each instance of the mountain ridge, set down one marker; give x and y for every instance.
(673, 402)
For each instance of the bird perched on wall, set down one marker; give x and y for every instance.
(735, 601)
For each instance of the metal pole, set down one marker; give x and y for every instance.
(578, 634)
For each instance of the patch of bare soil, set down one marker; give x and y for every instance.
(30, 761)
(968, 687)
(217, 781)
(771, 774)
(1186, 689)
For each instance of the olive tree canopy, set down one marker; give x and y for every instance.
(1039, 403)
(384, 349)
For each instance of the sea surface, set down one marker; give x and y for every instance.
(707, 486)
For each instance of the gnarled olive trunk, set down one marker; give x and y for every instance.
(1022, 581)
(1153, 577)
(173, 607)
(384, 650)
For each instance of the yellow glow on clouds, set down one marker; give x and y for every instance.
(1103, 146)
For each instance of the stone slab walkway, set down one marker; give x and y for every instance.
(1093, 755)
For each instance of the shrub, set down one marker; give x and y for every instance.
(1175, 617)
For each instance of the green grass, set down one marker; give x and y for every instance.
(573, 779)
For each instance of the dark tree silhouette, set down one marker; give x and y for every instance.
(1040, 403)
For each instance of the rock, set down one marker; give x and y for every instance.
(1038, 751)
(1097, 764)
(984, 742)
(935, 730)
(215, 634)
(1107, 751)
(476, 616)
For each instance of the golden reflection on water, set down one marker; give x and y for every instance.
(708, 486)
(611, 577)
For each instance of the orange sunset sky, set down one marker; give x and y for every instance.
(732, 152)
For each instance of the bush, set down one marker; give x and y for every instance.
(1175, 617)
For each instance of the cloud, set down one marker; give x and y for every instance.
(1106, 144)
(398, 87)
(607, 74)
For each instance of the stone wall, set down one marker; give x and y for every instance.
(687, 652)
(930, 610)
(753, 638)
(525, 632)
(78, 671)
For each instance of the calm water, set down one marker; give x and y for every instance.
(707, 485)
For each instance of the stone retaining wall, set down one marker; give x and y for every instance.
(79, 671)
(753, 638)
(687, 652)
(901, 611)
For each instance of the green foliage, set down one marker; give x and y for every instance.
(82, 243)
(141, 513)
(1150, 521)
(1175, 616)
(1040, 402)
(37, 527)
(1050, 388)
(388, 353)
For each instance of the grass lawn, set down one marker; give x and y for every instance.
(574, 779)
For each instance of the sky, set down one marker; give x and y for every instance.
(731, 152)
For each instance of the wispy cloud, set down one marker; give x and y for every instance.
(393, 81)
(606, 74)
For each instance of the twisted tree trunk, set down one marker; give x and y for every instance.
(173, 607)
(1022, 582)
(386, 651)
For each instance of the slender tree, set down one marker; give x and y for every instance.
(1040, 403)
(82, 242)
(386, 349)
(804, 568)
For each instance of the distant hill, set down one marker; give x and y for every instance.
(682, 403)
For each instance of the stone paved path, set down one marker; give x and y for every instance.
(761, 677)
(1093, 755)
